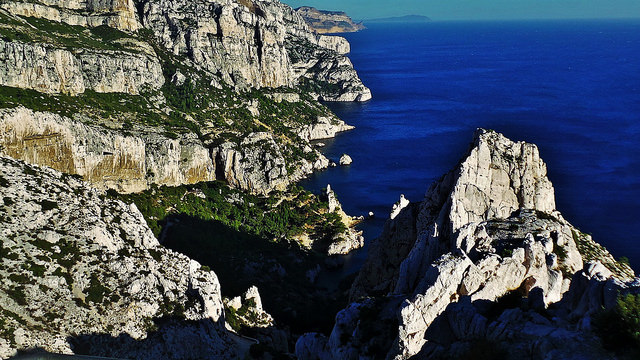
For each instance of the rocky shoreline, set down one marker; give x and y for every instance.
(485, 258)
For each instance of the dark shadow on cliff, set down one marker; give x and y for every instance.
(278, 268)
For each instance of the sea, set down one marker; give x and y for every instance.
(572, 87)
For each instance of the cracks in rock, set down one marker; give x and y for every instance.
(257, 37)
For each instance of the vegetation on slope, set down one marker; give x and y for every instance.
(199, 104)
(251, 240)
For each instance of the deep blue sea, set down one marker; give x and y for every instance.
(571, 87)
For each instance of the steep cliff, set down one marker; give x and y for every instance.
(84, 274)
(328, 22)
(485, 258)
(206, 83)
(245, 44)
(119, 14)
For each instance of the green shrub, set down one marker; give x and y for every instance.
(619, 327)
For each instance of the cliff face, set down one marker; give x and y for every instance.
(119, 14)
(478, 260)
(328, 22)
(129, 162)
(83, 274)
(189, 87)
(54, 59)
(246, 44)
(250, 44)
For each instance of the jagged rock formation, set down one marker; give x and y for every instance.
(349, 239)
(129, 163)
(446, 272)
(328, 22)
(56, 68)
(84, 274)
(325, 128)
(250, 44)
(106, 158)
(119, 14)
(345, 160)
(257, 164)
(245, 44)
(168, 78)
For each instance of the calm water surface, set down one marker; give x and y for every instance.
(572, 88)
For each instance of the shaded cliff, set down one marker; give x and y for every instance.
(484, 260)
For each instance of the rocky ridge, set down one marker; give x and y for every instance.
(168, 91)
(119, 14)
(243, 43)
(328, 22)
(84, 274)
(130, 162)
(484, 258)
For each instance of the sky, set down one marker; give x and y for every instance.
(479, 9)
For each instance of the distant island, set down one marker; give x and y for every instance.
(401, 19)
(328, 22)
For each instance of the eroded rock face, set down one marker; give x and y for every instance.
(111, 159)
(485, 234)
(119, 14)
(250, 44)
(106, 158)
(258, 164)
(51, 70)
(84, 273)
(325, 128)
(348, 240)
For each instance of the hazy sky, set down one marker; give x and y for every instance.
(480, 9)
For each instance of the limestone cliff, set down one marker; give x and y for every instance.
(84, 274)
(131, 161)
(64, 60)
(119, 14)
(328, 22)
(190, 93)
(243, 43)
(253, 44)
(484, 258)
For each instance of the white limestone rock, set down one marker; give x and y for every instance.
(254, 44)
(486, 230)
(324, 128)
(51, 70)
(397, 207)
(106, 158)
(350, 239)
(99, 281)
(119, 14)
(345, 160)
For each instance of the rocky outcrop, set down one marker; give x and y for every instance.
(326, 75)
(249, 44)
(52, 70)
(345, 160)
(258, 164)
(323, 22)
(106, 158)
(131, 162)
(84, 274)
(119, 14)
(244, 43)
(348, 240)
(325, 128)
(478, 260)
